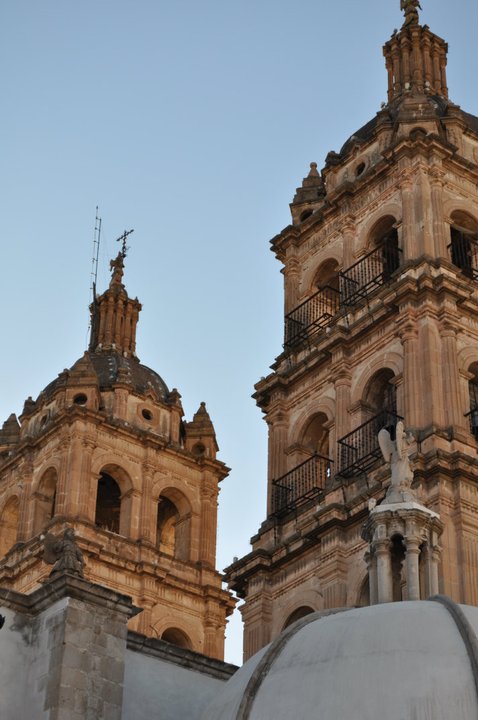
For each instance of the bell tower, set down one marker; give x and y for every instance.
(380, 270)
(105, 450)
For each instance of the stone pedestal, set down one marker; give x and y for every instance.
(415, 530)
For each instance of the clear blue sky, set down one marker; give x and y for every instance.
(191, 122)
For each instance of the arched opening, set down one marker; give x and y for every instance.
(167, 518)
(9, 525)
(318, 310)
(397, 553)
(306, 214)
(108, 503)
(473, 399)
(315, 438)
(173, 525)
(464, 243)
(198, 449)
(380, 394)
(298, 613)
(45, 499)
(177, 637)
(384, 236)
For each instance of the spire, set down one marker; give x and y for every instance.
(114, 315)
(415, 58)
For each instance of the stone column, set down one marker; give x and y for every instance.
(434, 562)
(451, 377)
(411, 374)
(149, 508)
(291, 273)
(412, 568)
(343, 383)
(371, 561)
(384, 570)
(410, 243)
(439, 237)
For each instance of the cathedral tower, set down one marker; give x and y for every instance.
(380, 270)
(105, 450)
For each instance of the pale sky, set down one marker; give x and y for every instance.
(193, 123)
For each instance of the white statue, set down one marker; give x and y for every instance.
(396, 453)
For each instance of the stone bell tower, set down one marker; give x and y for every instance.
(105, 450)
(380, 270)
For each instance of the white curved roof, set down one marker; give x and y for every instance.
(397, 661)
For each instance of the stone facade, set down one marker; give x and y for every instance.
(380, 270)
(105, 450)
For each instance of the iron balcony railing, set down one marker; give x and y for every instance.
(359, 450)
(305, 482)
(311, 316)
(473, 420)
(371, 272)
(464, 254)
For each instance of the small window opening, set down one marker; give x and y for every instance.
(306, 214)
(108, 504)
(360, 169)
(80, 399)
(147, 414)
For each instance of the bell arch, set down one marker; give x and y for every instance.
(464, 242)
(9, 517)
(173, 524)
(298, 614)
(113, 500)
(175, 636)
(45, 499)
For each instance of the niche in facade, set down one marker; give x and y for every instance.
(177, 637)
(45, 499)
(299, 613)
(173, 526)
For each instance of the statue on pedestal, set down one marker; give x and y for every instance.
(396, 453)
(64, 554)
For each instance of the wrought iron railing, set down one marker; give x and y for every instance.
(371, 272)
(473, 420)
(359, 450)
(312, 316)
(464, 254)
(305, 482)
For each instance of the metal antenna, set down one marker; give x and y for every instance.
(122, 239)
(96, 253)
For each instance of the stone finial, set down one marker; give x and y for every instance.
(395, 452)
(200, 434)
(10, 432)
(64, 554)
(410, 8)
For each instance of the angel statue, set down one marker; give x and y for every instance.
(410, 8)
(396, 453)
(64, 554)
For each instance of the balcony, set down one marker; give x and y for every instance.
(311, 317)
(359, 450)
(368, 274)
(305, 482)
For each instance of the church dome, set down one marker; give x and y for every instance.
(400, 661)
(109, 367)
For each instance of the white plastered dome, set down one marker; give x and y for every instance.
(396, 661)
